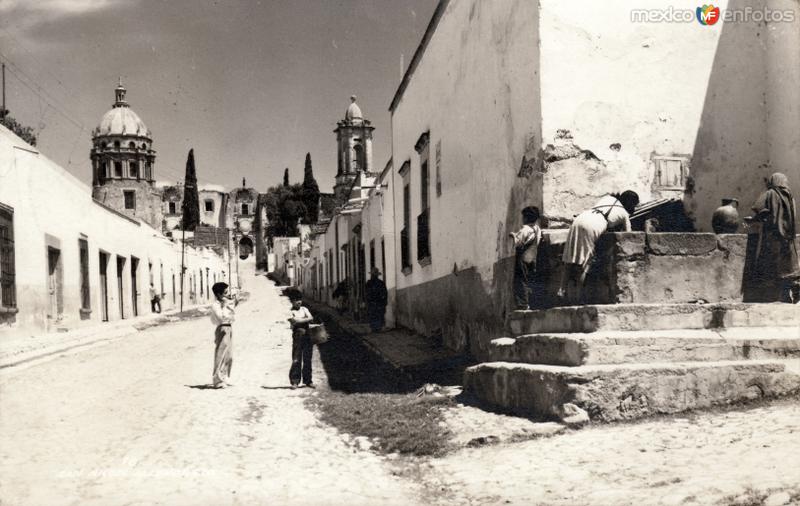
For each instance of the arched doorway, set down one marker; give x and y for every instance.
(245, 248)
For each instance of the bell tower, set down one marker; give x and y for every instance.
(354, 144)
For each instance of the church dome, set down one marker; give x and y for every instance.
(353, 113)
(121, 119)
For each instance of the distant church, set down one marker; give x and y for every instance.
(122, 164)
(123, 179)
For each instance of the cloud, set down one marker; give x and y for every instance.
(57, 8)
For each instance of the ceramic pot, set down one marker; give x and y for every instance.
(725, 219)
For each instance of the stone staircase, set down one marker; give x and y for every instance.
(624, 361)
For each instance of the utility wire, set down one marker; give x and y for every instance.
(18, 73)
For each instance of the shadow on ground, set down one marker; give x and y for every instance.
(351, 367)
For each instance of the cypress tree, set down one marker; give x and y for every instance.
(286, 178)
(190, 208)
(310, 192)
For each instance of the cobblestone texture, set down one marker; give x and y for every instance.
(711, 458)
(131, 423)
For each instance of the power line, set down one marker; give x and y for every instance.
(45, 67)
(18, 73)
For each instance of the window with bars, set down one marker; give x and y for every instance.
(423, 220)
(371, 255)
(83, 247)
(8, 297)
(405, 242)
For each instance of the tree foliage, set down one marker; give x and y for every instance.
(285, 208)
(191, 202)
(310, 193)
(24, 132)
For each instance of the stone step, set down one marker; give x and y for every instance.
(626, 391)
(592, 318)
(620, 346)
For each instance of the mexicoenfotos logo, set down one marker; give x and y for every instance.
(707, 15)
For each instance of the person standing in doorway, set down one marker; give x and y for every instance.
(526, 247)
(155, 299)
(222, 316)
(377, 297)
(302, 349)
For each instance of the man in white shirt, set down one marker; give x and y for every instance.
(222, 316)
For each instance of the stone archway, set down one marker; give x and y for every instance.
(245, 247)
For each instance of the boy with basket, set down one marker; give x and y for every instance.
(302, 345)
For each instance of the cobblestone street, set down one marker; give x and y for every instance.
(132, 423)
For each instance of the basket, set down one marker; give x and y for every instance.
(318, 333)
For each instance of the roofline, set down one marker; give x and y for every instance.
(386, 169)
(434, 22)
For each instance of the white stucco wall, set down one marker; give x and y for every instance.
(475, 90)
(377, 218)
(52, 208)
(725, 96)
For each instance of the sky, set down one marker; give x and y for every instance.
(251, 85)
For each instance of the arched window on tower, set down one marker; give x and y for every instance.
(144, 146)
(117, 169)
(103, 146)
(131, 146)
(116, 145)
(134, 169)
(358, 158)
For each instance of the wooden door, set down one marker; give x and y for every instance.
(53, 282)
(104, 286)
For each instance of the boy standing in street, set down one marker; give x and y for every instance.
(526, 246)
(222, 316)
(302, 349)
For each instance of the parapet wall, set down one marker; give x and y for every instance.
(640, 267)
(669, 267)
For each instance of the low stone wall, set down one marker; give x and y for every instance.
(671, 267)
(640, 267)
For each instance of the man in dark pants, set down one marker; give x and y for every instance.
(302, 349)
(155, 300)
(376, 296)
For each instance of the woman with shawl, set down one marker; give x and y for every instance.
(776, 263)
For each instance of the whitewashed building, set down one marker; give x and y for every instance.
(67, 260)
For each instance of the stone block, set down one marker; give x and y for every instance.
(617, 347)
(629, 244)
(593, 318)
(678, 243)
(627, 391)
(732, 245)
